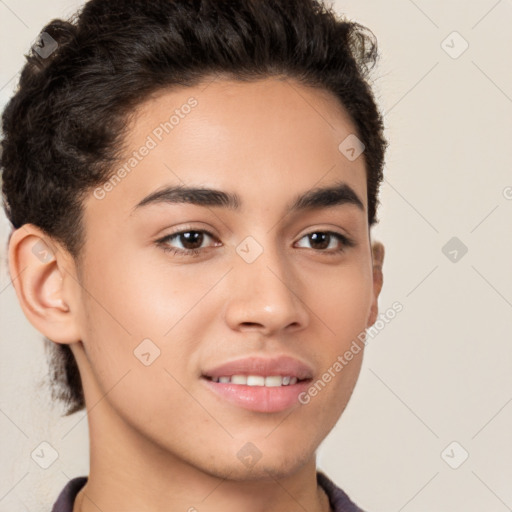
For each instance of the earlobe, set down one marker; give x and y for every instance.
(378, 260)
(37, 266)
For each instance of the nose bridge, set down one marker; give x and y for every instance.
(265, 293)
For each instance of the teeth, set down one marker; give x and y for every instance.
(272, 381)
(238, 379)
(254, 380)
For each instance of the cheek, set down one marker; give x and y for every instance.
(135, 299)
(142, 322)
(344, 302)
(343, 307)
(133, 367)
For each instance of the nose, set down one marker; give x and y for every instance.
(265, 295)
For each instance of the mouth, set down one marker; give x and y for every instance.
(271, 381)
(259, 384)
(272, 396)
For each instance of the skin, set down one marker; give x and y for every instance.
(159, 439)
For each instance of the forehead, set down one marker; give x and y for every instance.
(263, 138)
(272, 108)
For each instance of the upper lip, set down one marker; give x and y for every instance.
(265, 367)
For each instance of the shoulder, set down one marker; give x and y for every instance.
(340, 502)
(67, 496)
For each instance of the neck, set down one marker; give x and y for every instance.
(225, 496)
(125, 486)
(131, 473)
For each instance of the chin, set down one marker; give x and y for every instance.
(275, 465)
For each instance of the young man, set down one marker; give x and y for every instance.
(192, 186)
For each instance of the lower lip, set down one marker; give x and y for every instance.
(259, 398)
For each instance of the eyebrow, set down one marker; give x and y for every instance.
(326, 197)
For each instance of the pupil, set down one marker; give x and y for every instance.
(315, 237)
(192, 237)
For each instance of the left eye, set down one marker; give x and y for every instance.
(324, 239)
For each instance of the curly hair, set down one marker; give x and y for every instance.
(64, 127)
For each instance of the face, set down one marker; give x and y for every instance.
(175, 287)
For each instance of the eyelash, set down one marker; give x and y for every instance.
(163, 242)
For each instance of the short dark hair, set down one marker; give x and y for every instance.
(63, 129)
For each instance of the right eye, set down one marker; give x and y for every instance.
(190, 237)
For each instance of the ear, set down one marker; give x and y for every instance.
(42, 275)
(378, 260)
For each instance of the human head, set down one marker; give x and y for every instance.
(64, 129)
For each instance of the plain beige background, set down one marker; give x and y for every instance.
(436, 382)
